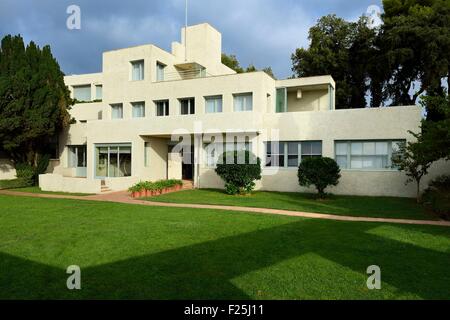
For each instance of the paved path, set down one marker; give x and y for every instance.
(123, 197)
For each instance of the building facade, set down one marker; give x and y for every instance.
(131, 117)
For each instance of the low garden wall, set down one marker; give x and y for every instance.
(58, 183)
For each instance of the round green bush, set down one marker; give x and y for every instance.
(320, 172)
(239, 170)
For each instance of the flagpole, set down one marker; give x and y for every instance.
(185, 29)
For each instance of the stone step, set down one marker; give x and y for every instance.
(188, 184)
(105, 188)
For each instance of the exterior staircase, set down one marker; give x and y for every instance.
(104, 187)
(188, 184)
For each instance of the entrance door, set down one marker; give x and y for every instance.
(187, 168)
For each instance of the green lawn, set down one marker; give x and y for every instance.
(140, 252)
(38, 190)
(377, 207)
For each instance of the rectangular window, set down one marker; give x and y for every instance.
(187, 106)
(372, 155)
(147, 154)
(275, 154)
(281, 100)
(82, 93)
(117, 111)
(243, 102)
(77, 157)
(213, 104)
(113, 160)
(213, 151)
(160, 67)
(138, 109)
(137, 70)
(162, 108)
(289, 154)
(98, 92)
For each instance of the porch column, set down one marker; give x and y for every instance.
(198, 143)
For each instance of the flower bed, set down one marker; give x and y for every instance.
(150, 189)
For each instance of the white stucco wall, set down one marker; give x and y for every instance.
(58, 183)
(311, 119)
(7, 171)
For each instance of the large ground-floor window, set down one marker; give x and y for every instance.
(366, 154)
(290, 153)
(214, 150)
(113, 160)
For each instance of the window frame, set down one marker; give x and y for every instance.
(190, 106)
(147, 149)
(142, 72)
(389, 165)
(138, 104)
(166, 107)
(85, 86)
(73, 150)
(160, 71)
(111, 146)
(214, 98)
(243, 95)
(97, 96)
(113, 105)
(284, 152)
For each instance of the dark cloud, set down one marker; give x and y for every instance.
(262, 32)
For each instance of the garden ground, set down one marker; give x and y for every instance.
(142, 252)
(377, 207)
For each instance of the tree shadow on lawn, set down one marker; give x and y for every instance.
(205, 270)
(388, 207)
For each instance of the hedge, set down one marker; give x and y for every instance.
(155, 186)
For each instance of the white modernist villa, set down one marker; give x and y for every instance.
(131, 116)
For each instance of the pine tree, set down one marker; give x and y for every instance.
(34, 101)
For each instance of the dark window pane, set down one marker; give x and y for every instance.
(268, 148)
(280, 161)
(292, 161)
(316, 147)
(293, 148)
(306, 148)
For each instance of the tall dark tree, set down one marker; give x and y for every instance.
(34, 101)
(435, 135)
(343, 50)
(416, 48)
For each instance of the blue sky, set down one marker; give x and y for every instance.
(261, 32)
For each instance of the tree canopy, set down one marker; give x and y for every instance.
(232, 62)
(34, 100)
(341, 49)
(396, 63)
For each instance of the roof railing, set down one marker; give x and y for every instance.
(185, 75)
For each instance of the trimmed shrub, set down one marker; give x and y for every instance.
(437, 196)
(155, 186)
(26, 173)
(239, 170)
(14, 183)
(320, 172)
